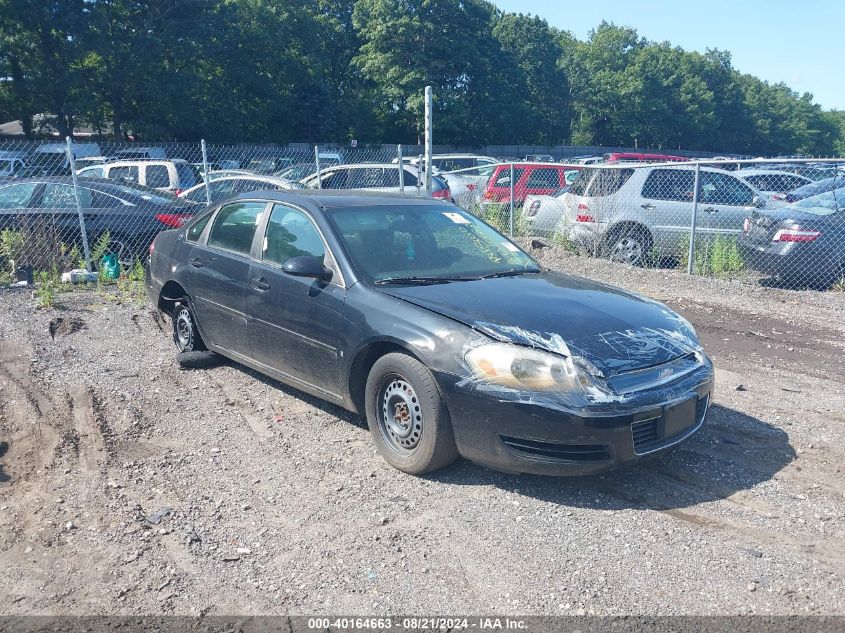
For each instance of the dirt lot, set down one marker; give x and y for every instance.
(129, 484)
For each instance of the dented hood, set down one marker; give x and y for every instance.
(613, 330)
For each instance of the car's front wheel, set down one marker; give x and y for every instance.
(407, 416)
(185, 333)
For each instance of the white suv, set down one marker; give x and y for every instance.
(631, 212)
(174, 175)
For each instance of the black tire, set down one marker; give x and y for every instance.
(628, 245)
(186, 336)
(407, 417)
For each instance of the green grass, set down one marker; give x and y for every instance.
(716, 255)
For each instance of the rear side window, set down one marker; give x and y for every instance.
(670, 184)
(543, 179)
(91, 172)
(503, 178)
(188, 175)
(157, 176)
(61, 196)
(608, 181)
(579, 185)
(16, 196)
(234, 226)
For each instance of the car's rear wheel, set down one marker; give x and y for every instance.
(185, 333)
(407, 416)
(629, 245)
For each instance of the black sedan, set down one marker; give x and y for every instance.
(801, 243)
(444, 334)
(131, 214)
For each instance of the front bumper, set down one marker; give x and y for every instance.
(525, 436)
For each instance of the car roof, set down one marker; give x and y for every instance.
(766, 172)
(340, 198)
(144, 161)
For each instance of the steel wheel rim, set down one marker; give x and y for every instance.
(183, 328)
(400, 417)
(628, 250)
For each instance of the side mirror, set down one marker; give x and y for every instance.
(758, 202)
(307, 266)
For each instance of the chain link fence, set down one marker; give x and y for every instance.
(776, 221)
(75, 206)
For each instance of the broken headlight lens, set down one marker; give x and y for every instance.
(526, 369)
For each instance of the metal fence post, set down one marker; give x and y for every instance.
(419, 175)
(691, 253)
(72, 162)
(205, 172)
(428, 140)
(401, 169)
(317, 163)
(510, 220)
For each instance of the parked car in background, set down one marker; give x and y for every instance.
(139, 153)
(200, 167)
(267, 164)
(11, 165)
(800, 243)
(468, 185)
(770, 183)
(529, 179)
(224, 173)
(629, 213)
(298, 171)
(583, 160)
(812, 189)
(542, 214)
(173, 176)
(539, 158)
(637, 157)
(220, 188)
(452, 162)
(376, 177)
(440, 331)
(131, 214)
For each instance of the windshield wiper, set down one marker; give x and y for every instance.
(422, 280)
(510, 273)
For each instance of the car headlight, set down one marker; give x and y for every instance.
(526, 369)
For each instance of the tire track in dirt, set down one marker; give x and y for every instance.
(91, 442)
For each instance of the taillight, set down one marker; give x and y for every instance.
(488, 195)
(178, 192)
(532, 210)
(441, 194)
(583, 217)
(173, 220)
(796, 234)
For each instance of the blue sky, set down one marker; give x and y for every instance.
(776, 40)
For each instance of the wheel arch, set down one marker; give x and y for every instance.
(171, 293)
(363, 362)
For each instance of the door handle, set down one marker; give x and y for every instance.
(196, 262)
(711, 210)
(259, 284)
(647, 206)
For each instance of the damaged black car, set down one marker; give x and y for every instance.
(443, 333)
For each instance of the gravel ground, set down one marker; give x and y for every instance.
(132, 485)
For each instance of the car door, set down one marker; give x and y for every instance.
(665, 207)
(218, 273)
(294, 321)
(723, 203)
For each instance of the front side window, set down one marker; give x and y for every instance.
(718, 188)
(424, 241)
(234, 226)
(16, 196)
(187, 174)
(290, 233)
(157, 176)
